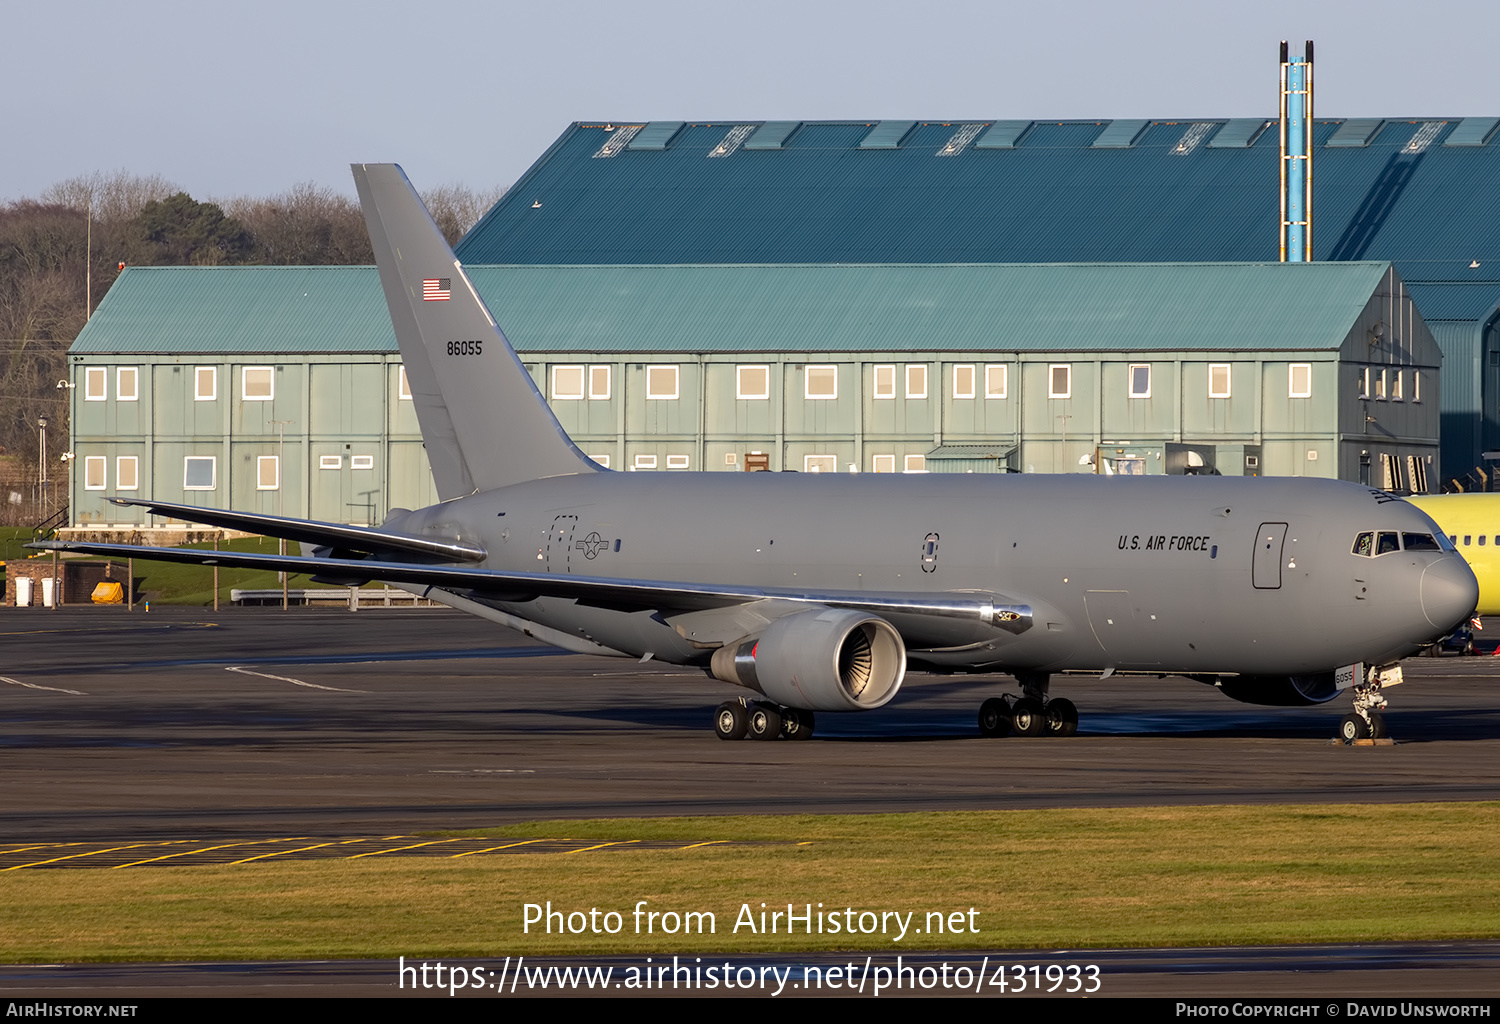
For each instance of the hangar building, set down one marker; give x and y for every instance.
(660, 278)
(278, 389)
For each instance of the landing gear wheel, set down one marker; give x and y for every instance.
(1377, 727)
(765, 723)
(731, 720)
(994, 718)
(1028, 717)
(796, 724)
(1353, 727)
(1062, 717)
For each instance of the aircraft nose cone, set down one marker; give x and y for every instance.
(1450, 593)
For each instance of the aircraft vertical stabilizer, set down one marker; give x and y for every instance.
(484, 422)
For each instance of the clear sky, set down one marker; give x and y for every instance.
(250, 98)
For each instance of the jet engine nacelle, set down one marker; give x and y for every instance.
(1280, 691)
(828, 660)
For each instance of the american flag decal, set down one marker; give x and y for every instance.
(436, 289)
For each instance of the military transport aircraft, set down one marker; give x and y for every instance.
(818, 592)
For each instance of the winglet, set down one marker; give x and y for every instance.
(484, 422)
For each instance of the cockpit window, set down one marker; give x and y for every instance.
(1419, 542)
(1364, 544)
(1385, 543)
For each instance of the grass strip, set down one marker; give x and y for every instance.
(1060, 878)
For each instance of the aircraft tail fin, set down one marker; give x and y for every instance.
(483, 420)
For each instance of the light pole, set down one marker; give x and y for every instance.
(41, 464)
(281, 479)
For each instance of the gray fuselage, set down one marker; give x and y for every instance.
(1165, 574)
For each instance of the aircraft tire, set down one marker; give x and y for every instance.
(994, 718)
(765, 723)
(1028, 717)
(797, 724)
(1352, 728)
(1062, 717)
(731, 721)
(1377, 726)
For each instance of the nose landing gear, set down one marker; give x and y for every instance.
(1366, 721)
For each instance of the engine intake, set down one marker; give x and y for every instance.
(828, 660)
(1280, 691)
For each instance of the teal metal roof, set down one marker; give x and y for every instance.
(1020, 192)
(782, 308)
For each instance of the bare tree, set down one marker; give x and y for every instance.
(307, 225)
(113, 195)
(456, 208)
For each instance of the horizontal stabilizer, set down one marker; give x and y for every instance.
(378, 543)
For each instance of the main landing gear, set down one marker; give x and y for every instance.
(1366, 721)
(1032, 714)
(761, 720)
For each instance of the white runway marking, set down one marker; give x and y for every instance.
(35, 686)
(288, 679)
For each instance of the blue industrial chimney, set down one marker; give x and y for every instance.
(1296, 156)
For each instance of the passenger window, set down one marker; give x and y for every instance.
(1386, 543)
(1466, 539)
(1422, 542)
(1363, 543)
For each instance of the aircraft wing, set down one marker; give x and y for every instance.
(631, 595)
(339, 539)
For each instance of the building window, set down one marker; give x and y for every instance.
(567, 383)
(267, 473)
(1397, 386)
(885, 381)
(1364, 383)
(198, 472)
(752, 382)
(94, 467)
(1380, 387)
(644, 462)
(963, 381)
(916, 464)
(821, 382)
(916, 380)
(95, 384)
(1218, 380)
(677, 462)
(996, 378)
(127, 473)
(1140, 380)
(884, 464)
(661, 383)
(1299, 380)
(603, 460)
(127, 384)
(258, 383)
(330, 462)
(205, 383)
(403, 386)
(1060, 380)
(820, 464)
(598, 382)
(361, 462)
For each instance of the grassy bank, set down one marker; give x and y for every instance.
(1037, 878)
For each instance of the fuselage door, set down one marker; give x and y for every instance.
(560, 544)
(1266, 568)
